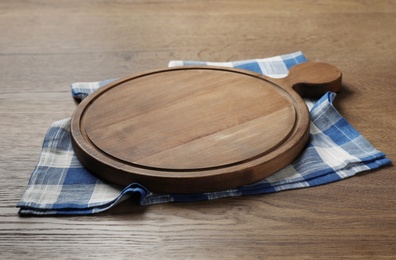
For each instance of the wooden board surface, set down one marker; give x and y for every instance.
(186, 119)
(197, 129)
(46, 45)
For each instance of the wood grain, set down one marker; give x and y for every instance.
(46, 45)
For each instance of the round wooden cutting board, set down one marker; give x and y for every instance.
(197, 129)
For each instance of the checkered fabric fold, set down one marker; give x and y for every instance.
(61, 185)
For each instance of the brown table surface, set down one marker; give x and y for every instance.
(45, 45)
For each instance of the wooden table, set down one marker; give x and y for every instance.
(45, 45)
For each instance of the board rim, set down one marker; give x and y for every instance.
(291, 146)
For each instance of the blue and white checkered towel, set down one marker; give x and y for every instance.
(61, 185)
